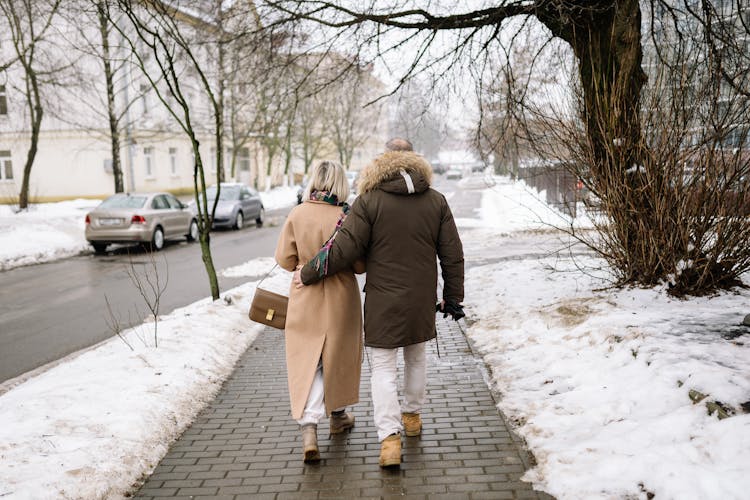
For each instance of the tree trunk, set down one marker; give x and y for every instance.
(288, 151)
(219, 118)
(114, 130)
(36, 112)
(606, 41)
(204, 219)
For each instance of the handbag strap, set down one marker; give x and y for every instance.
(267, 274)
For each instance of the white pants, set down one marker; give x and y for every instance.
(387, 411)
(315, 407)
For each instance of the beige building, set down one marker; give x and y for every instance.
(74, 157)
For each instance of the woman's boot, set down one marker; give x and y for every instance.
(310, 450)
(341, 421)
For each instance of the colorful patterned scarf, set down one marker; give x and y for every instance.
(320, 261)
(326, 196)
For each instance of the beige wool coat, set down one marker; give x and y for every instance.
(323, 320)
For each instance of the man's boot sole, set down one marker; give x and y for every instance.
(391, 463)
(312, 456)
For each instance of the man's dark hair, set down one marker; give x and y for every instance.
(398, 144)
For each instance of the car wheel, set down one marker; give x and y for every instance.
(239, 221)
(99, 248)
(261, 217)
(157, 240)
(192, 231)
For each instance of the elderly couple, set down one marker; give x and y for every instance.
(397, 228)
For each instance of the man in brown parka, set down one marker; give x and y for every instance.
(400, 226)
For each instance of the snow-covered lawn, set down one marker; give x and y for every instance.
(51, 231)
(46, 232)
(95, 424)
(597, 380)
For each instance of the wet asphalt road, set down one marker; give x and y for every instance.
(48, 311)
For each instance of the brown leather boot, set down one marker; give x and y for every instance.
(390, 451)
(310, 451)
(341, 422)
(412, 424)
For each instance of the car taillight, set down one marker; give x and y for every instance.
(88, 219)
(138, 219)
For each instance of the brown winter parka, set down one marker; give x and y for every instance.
(401, 227)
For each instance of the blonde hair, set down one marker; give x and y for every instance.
(328, 176)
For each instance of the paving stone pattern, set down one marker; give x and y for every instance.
(246, 445)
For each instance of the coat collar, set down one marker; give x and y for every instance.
(401, 172)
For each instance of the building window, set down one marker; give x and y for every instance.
(3, 101)
(6, 167)
(173, 161)
(148, 155)
(213, 160)
(144, 99)
(243, 160)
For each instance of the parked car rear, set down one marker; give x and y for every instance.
(237, 203)
(146, 218)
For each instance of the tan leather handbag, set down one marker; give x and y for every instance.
(267, 307)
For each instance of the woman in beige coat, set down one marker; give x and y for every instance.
(324, 322)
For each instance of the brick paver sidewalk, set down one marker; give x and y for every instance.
(245, 444)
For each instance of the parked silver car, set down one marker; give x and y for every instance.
(237, 203)
(146, 218)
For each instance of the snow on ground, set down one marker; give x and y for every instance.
(279, 197)
(598, 381)
(47, 231)
(51, 231)
(91, 427)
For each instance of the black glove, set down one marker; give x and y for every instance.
(455, 310)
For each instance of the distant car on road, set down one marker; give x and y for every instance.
(453, 173)
(145, 218)
(438, 167)
(352, 176)
(237, 203)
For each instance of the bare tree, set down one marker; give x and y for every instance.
(150, 287)
(310, 126)
(179, 58)
(605, 40)
(417, 117)
(353, 117)
(102, 80)
(112, 115)
(28, 22)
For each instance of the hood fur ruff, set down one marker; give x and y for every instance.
(388, 165)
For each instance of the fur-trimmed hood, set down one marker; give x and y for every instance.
(387, 172)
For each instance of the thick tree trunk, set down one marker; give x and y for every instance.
(606, 41)
(114, 131)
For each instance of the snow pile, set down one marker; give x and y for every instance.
(46, 232)
(253, 268)
(599, 383)
(93, 426)
(279, 197)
